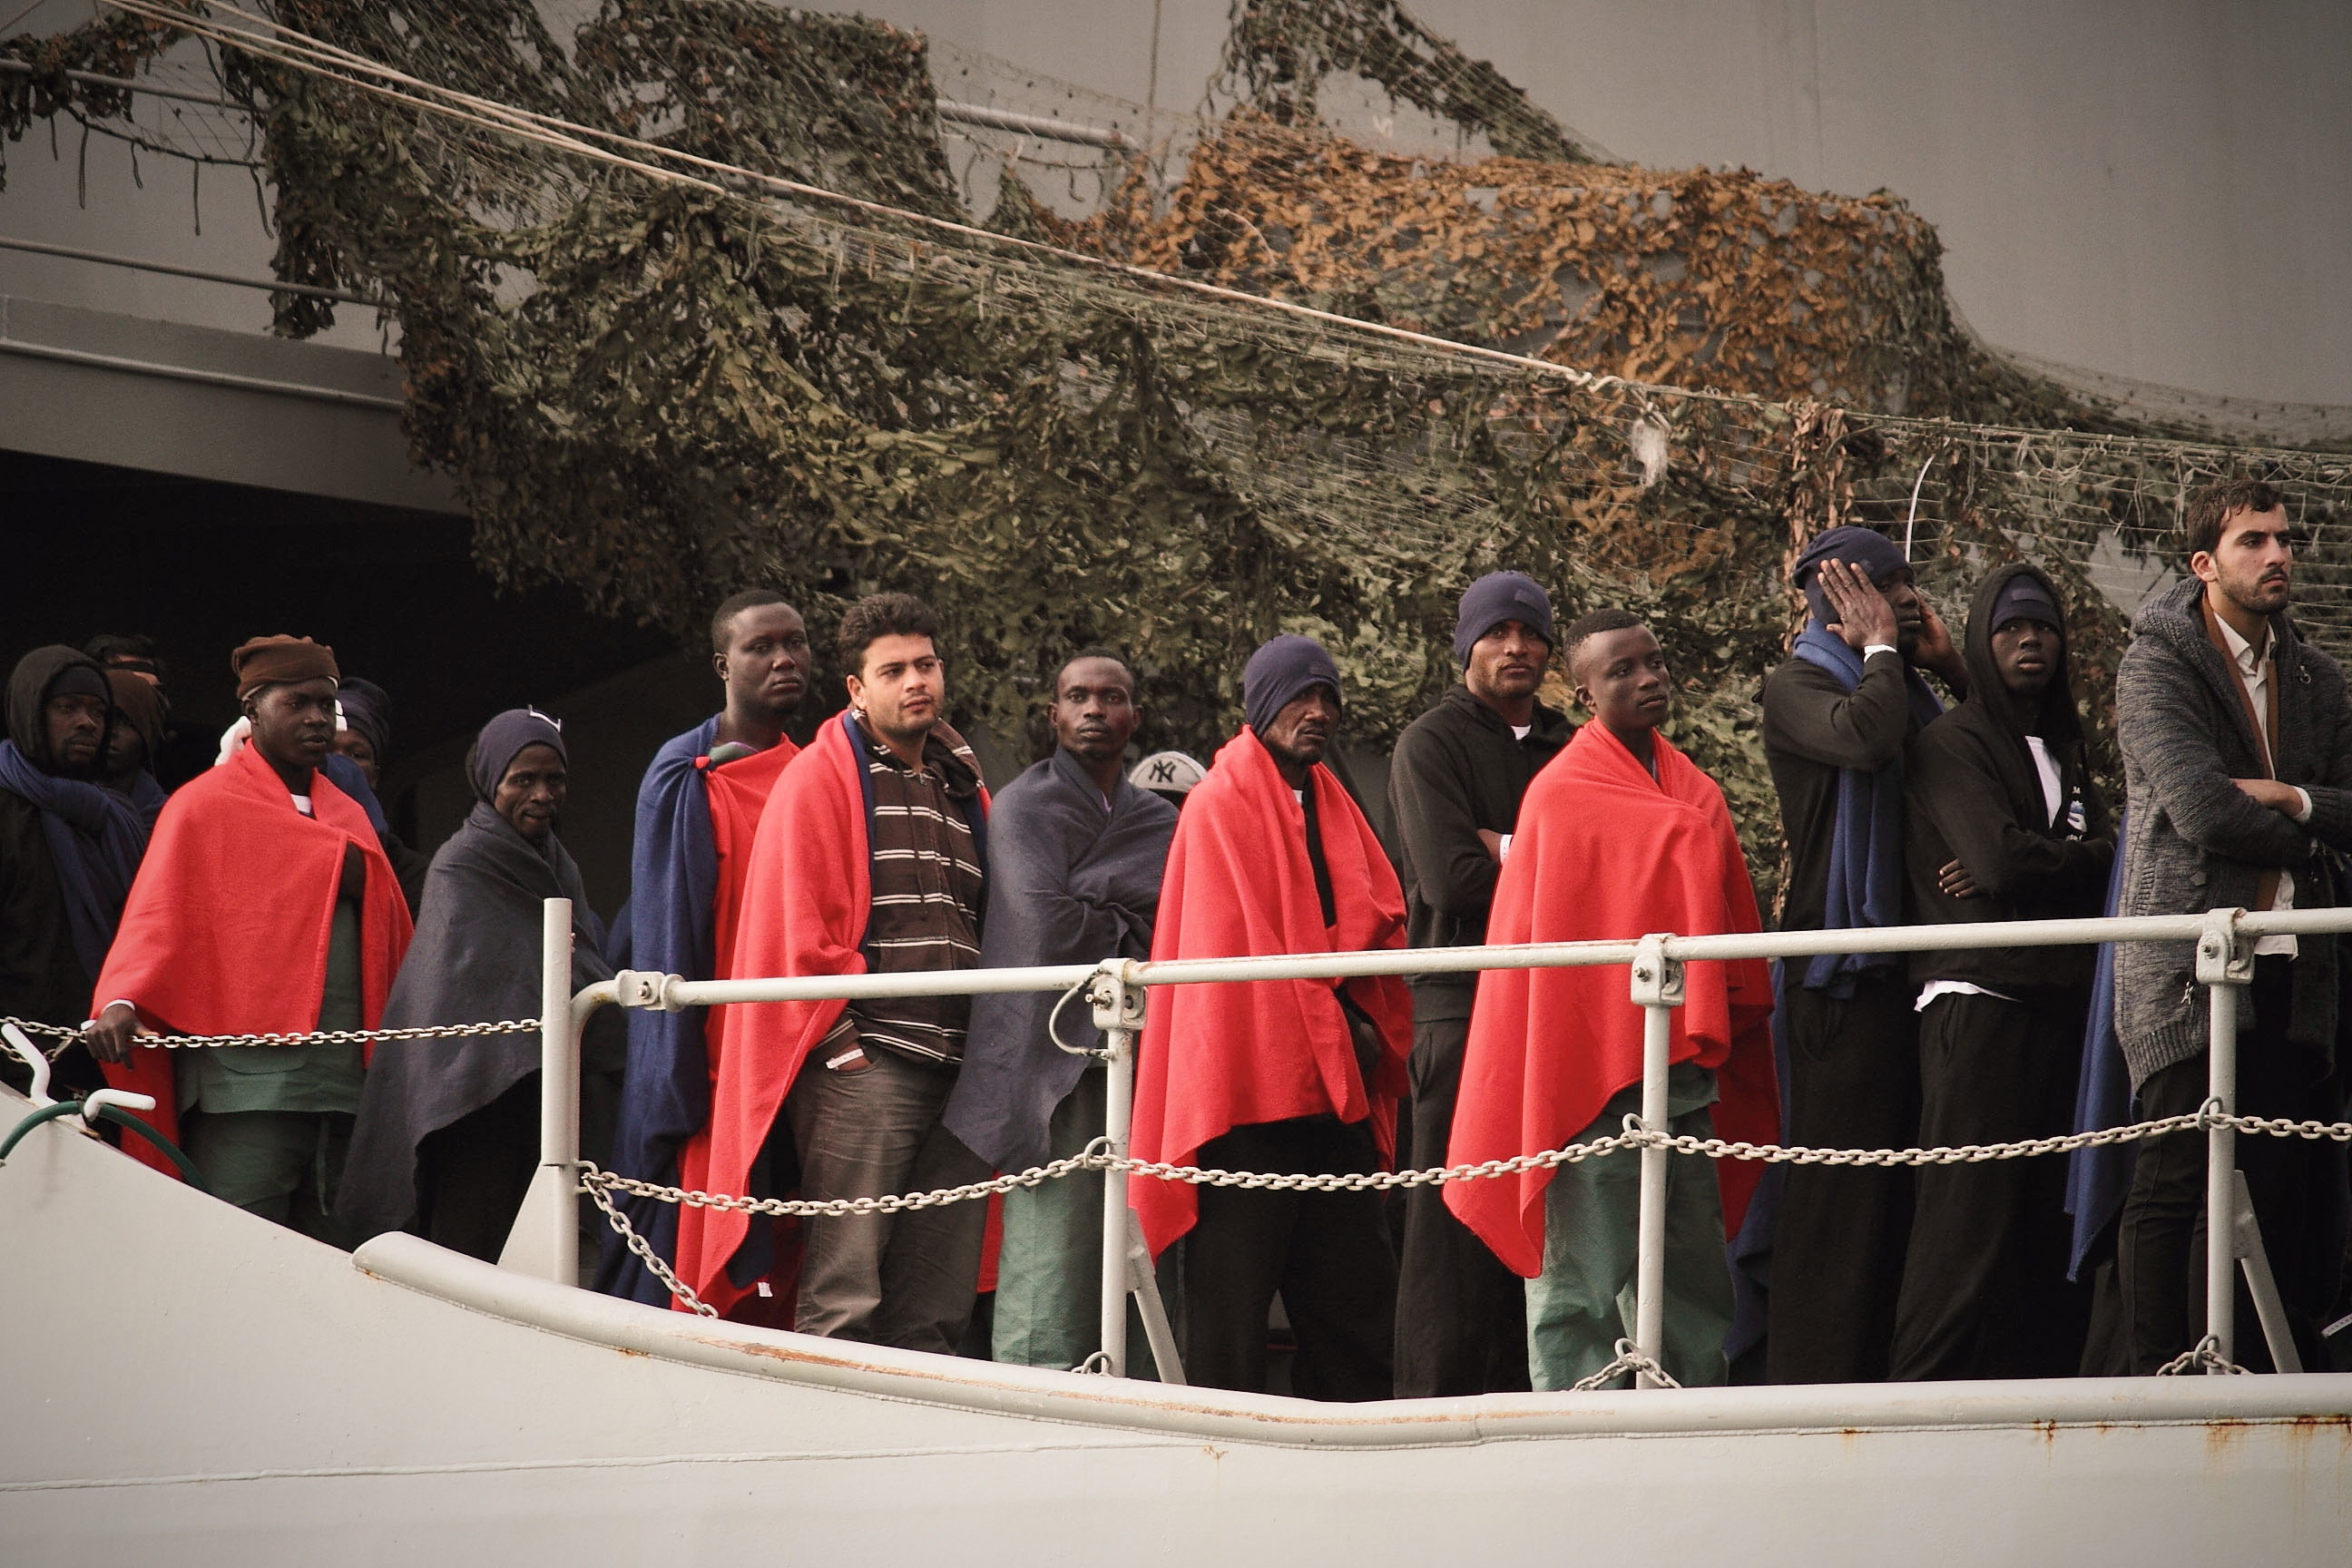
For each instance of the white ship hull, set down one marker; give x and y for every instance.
(190, 1385)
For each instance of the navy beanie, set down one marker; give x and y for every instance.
(2023, 597)
(1496, 597)
(1278, 672)
(1878, 556)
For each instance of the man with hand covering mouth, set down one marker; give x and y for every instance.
(1838, 716)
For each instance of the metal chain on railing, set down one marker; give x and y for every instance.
(315, 1038)
(646, 1254)
(1633, 1138)
(1629, 1359)
(2204, 1356)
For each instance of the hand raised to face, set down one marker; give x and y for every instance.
(1864, 618)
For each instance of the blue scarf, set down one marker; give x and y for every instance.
(96, 838)
(1865, 874)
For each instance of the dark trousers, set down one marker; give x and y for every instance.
(473, 1174)
(1461, 1315)
(907, 1280)
(1985, 1292)
(1327, 1253)
(2160, 1252)
(1837, 1252)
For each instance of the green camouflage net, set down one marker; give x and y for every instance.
(659, 379)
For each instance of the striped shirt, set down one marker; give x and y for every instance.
(927, 898)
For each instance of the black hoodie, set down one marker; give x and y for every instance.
(1973, 794)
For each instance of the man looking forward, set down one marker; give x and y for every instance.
(2004, 824)
(697, 810)
(1300, 1076)
(1455, 789)
(870, 859)
(1075, 857)
(264, 906)
(1620, 835)
(2237, 743)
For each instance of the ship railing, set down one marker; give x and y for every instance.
(1117, 990)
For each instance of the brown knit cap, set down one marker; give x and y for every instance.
(278, 661)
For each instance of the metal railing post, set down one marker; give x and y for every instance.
(1657, 991)
(558, 1086)
(1119, 1014)
(2225, 963)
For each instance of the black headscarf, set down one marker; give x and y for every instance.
(502, 740)
(367, 708)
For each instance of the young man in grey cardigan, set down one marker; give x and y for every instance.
(2237, 743)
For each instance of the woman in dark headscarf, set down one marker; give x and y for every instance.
(448, 1139)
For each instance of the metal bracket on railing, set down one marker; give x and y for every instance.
(646, 988)
(1118, 1002)
(2224, 956)
(1657, 979)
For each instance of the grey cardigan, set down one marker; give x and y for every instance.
(2195, 841)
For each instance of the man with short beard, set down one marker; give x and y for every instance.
(1454, 788)
(2004, 823)
(870, 859)
(265, 905)
(698, 811)
(68, 849)
(1298, 1076)
(2237, 743)
(1076, 853)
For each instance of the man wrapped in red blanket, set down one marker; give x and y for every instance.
(265, 905)
(1619, 836)
(1271, 857)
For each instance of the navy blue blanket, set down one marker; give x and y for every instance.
(665, 1086)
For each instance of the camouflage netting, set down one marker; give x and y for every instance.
(658, 379)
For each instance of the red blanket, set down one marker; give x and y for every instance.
(226, 927)
(1603, 851)
(1219, 1057)
(738, 793)
(805, 902)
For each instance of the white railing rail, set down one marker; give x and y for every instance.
(2224, 943)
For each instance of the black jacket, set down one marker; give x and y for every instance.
(1812, 728)
(1972, 793)
(1457, 770)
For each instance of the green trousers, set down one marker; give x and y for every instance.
(283, 1165)
(1049, 1270)
(1582, 1302)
